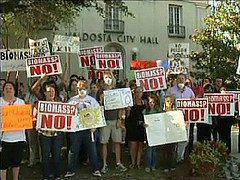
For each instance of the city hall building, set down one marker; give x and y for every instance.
(146, 36)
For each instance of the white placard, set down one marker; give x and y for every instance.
(165, 128)
(66, 44)
(14, 59)
(117, 98)
(39, 47)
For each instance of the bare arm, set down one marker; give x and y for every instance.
(114, 83)
(35, 87)
(65, 73)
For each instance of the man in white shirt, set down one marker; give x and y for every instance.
(85, 137)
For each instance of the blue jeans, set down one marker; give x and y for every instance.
(51, 145)
(151, 157)
(78, 140)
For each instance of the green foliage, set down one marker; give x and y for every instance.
(27, 17)
(218, 38)
(208, 158)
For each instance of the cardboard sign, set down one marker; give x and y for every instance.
(151, 79)
(54, 116)
(66, 44)
(39, 47)
(16, 117)
(195, 110)
(220, 104)
(105, 60)
(117, 98)
(87, 57)
(36, 66)
(143, 64)
(165, 128)
(14, 59)
(179, 58)
(91, 118)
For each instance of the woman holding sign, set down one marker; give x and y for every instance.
(151, 152)
(51, 141)
(135, 129)
(12, 141)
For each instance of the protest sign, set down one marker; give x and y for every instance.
(36, 66)
(143, 64)
(105, 60)
(238, 68)
(91, 118)
(220, 104)
(16, 117)
(14, 59)
(117, 98)
(87, 57)
(39, 47)
(165, 128)
(151, 79)
(95, 74)
(55, 116)
(236, 99)
(179, 58)
(66, 44)
(194, 110)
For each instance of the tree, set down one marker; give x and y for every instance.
(219, 39)
(24, 18)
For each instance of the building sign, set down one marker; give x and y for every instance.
(122, 38)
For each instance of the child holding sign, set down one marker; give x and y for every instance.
(151, 152)
(169, 150)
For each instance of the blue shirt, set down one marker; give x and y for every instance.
(177, 93)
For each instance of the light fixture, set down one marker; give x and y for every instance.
(134, 53)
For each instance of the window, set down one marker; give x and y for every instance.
(175, 27)
(113, 18)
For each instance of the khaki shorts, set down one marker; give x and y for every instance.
(111, 129)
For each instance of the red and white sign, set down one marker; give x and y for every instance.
(87, 57)
(195, 110)
(36, 66)
(220, 104)
(236, 99)
(97, 74)
(151, 79)
(105, 60)
(55, 116)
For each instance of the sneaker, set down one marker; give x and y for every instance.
(121, 167)
(153, 169)
(173, 169)
(69, 174)
(165, 170)
(97, 174)
(105, 169)
(132, 166)
(58, 178)
(148, 170)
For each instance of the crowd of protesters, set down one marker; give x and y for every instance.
(44, 145)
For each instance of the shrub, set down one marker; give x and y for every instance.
(208, 158)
